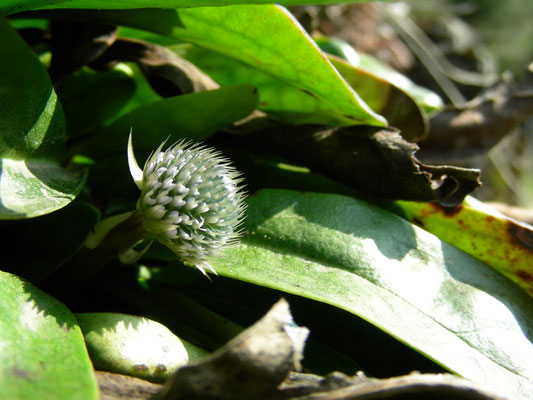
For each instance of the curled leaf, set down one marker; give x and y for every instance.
(250, 366)
(168, 74)
(458, 134)
(373, 160)
(75, 44)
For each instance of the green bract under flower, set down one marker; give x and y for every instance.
(191, 200)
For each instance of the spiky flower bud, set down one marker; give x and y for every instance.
(191, 201)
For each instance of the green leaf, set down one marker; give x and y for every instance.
(13, 6)
(424, 292)
(32, 133)
(387, 98)
(132, 345)
(194, 116)
(504, 245)
(289, 102)
(93, 100)
(265, 37)
(429, 100)
(43, 354)
(276, 97)
(31, 119)
(367, 63)
(29, 188)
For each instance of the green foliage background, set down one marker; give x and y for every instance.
(448, 288)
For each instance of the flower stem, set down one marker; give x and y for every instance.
(87, 262)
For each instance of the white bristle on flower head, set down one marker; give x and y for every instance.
(191, 200)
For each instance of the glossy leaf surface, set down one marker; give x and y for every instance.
(426, 293)
(290, 103)
(195, 116)
(13, 6)
(429, 100)
(43, 353)
(265, 37)
(32, 134)
(387, 98)
(29, 188)
(132, 345)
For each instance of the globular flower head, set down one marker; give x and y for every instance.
(192, 201)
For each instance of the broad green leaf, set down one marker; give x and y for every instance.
(385, 97)
(265, 37)
(32, 133)
(276, 97)
(426, 293)
(14, 6)
(504, 245)
(43, 355)
(31, 119)
(194, 116)
(290, 103)
(132, 345)
(29, 188)
(429, 100)
(268, 38)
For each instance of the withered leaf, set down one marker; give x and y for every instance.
(168, 74)
(414, 386)
(250, 366)
(75, 44)
(369, 159)
(461, 133)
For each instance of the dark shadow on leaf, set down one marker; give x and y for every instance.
(107, 322)
(43, 305)
(356, 218)
(91, 100)
(393, 240)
